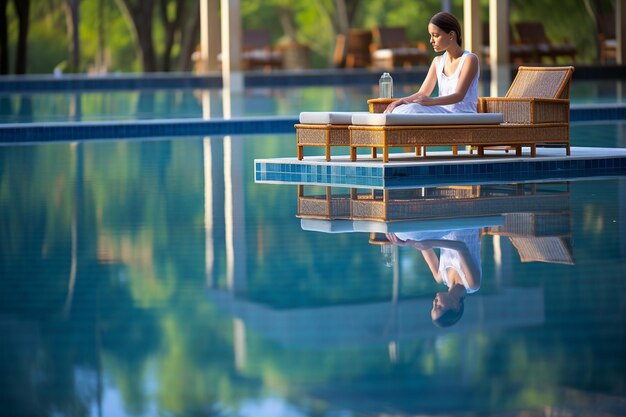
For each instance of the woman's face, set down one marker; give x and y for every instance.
(439, 39)
(443, 302)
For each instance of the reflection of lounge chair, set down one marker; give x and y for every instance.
(535, 217)
(539, 237)
(533, 33)
(535, 112)
(393, 49)
(257, 51)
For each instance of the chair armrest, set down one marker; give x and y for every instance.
(527, 110)
(378, 105)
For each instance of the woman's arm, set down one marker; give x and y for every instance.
(433, 263)
(469, 266)
(468, 72)
(426, 89)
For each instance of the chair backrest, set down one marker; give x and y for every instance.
(390, 37)
(606, 25)
(359, 41)
(256, 39)
(541, 82)
(531, 33)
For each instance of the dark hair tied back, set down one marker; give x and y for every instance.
(448, 23)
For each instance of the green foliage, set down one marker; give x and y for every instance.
(564, 21)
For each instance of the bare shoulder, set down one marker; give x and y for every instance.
(472, 57)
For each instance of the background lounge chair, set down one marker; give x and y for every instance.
(353, 50)
(533, 33)
(607, 41)
(518, 52)
(257, 51)
(391, 48)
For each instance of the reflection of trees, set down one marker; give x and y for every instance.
(139, 321)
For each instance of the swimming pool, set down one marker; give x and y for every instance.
(154, 277)
(187, 103)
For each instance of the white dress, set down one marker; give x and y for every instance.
(447, 85)
(450, 258)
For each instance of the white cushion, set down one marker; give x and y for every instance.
(417, 119)
(327, 226)
(382, 54)
(326, 117)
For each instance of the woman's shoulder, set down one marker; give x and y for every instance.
(471, 55)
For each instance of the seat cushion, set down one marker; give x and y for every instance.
(325, 117)
(417, 119)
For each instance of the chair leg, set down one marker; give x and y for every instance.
(374, 155)
(518, 151)
(533, 150)
(418, 150)
(300, 153)
(327, 153)
(567, 150)
(481, 151)
(455, 150)
(352, 153)
(385, 154)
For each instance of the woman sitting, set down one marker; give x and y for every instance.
(455, 72)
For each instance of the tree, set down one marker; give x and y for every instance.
(72, 22)
(4, 38)
(22, 8)
(139, 13)
(185, 26)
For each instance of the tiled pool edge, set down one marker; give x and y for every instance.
(44, 132)
(549, 164)
(63, 131)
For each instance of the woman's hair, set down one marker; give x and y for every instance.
(448, 23)
(450, 317)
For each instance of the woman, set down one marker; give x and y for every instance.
(455, 72)
(458, 267)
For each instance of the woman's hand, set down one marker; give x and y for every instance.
(395, 104)
(394, 239)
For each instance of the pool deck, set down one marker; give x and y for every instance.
(443, 168)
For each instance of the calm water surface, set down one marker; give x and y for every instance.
(190, 103)
(142, 278)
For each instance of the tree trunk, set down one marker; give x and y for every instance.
(171, 28)
(73, 38)
(22, 8)
(190, 33)
(4, 38)
(287, 23)
(140, 17)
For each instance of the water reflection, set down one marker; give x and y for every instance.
(446, 225)
(116, 295)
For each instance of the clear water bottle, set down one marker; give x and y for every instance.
(385, 85)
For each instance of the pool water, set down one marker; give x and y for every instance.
(195, 103)
(154, 277)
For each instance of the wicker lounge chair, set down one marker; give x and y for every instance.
(325, 129)
(535, 112)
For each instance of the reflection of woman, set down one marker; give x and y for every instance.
(458, 266)
(455, 73)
